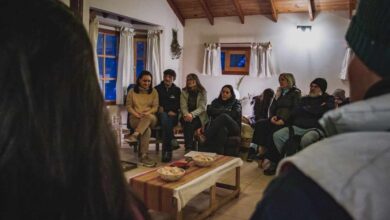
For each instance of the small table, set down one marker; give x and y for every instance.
(171, 197)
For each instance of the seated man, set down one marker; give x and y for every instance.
(169, 101)
(306, 115)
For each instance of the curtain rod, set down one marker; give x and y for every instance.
(242, 43)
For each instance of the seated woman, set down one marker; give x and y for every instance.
(142, 104)
(262, 103)
(193, 100)
(286, 99)
(225, 121)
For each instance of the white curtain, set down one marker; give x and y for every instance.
(212, 59)
(347, 59)
(93, 35)
(153, 60)
(125, 63)
(261, 60)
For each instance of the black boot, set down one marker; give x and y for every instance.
(251, 154)
(166, 156)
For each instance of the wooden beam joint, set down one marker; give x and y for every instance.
(177, 12)
(207, 11)
(274, 12)
(311, 9)
(239, 11)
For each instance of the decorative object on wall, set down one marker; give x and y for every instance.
(212, 59)
(261, 60)
(347, 59)
(175, 46)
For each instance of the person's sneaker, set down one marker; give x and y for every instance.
(130, 138)
(147, 162)
(251, 155)
(175, 145)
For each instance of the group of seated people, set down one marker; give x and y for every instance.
(278, 117)
(285, 122)
(168, 104)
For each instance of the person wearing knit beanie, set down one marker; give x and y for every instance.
(345, 175)
(320, 82)
(369, 38)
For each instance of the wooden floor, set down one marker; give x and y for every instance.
(253, 183)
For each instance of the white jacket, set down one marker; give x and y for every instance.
(353, 165)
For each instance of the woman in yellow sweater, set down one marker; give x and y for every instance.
(142, 104)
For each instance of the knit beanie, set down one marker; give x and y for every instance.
(321, 82)
(340, 93)
(368, 35)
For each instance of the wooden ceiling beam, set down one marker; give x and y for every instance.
(207, 11)
(239, 11)
(311, 9)
(177, 12)
(274, 13)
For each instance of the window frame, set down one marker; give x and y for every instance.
(139, 38)
(102, 77)
(227, 70)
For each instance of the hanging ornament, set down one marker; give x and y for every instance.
(175, 46)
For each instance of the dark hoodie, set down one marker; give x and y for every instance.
(232, 107)
(169, 98)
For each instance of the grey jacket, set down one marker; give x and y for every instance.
(200, 110)
(352, 165)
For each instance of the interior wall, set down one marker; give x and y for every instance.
(307, 55)
(150, 11)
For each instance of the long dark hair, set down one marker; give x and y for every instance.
(142, 74)
(230, 87)
(262, 103)
(199, 85)
(58, 156)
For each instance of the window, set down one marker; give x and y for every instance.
(107, 52)
(235, 60)
(139, 55)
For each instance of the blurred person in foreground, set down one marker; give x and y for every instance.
(345, 176)
(58, 155)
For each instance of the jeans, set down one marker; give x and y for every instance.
(309, 136)
(222, 127)
(167, 123)
(189, 129)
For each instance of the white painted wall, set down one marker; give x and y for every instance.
(319, 55)
(155, 12)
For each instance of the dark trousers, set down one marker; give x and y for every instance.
(167, 123)
(189, 129)
(218, 131)
(263, 136)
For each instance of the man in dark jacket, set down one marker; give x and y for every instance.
(169, 101)
(345, 176)
(304, 118)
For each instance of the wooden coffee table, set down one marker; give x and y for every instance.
(172, 197)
